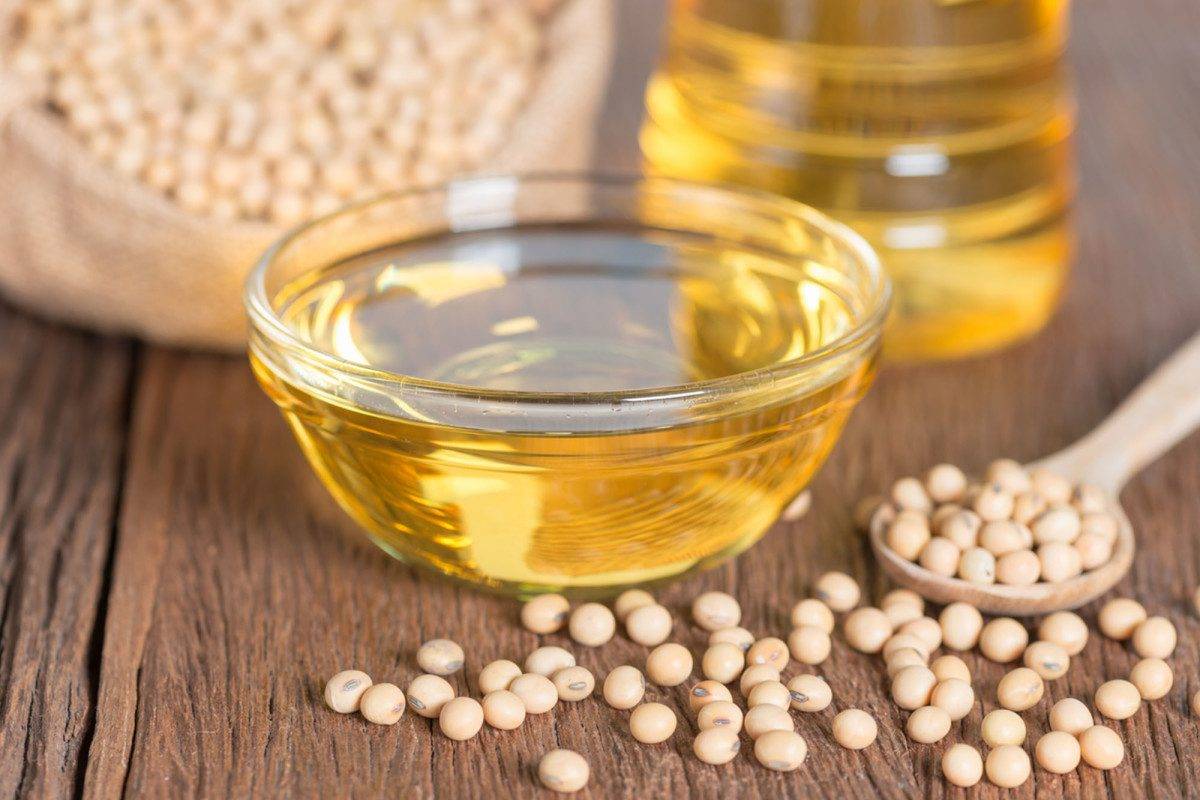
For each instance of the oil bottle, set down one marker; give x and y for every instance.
(939, 129)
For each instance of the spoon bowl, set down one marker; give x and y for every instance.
(1162, 410)
(1040, 598)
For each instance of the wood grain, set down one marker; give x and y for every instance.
(63, 398)
(193, 667)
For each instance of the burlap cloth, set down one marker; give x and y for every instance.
(82, 244)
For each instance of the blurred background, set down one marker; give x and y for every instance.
(153, 150)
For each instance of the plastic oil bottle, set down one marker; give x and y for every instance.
(939, 129)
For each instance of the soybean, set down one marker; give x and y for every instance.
(545, 613)
(706, 692)
(1152, 677)
(1119, 618)
(855, 729)
(1001, 727)
(563, 771)
(782, 751)
(716, 746)
(715, 610)
(440, 657)
(651, 723)
(624, 687)
(720, 714)
(740, 637)
(427, 694)
(962, 765)
(1003, 640)
(503, 710)
(837, 590)
(770, 651)
(1007, 766)
(948, 666)
(592, 624)
(1101, 747)
(810, 644)
(1155, 637)
(765, 718)
(1066, 629)
(382, 703)
(772, 693)
(649, 625)
(723, 662)
(1047, 659)
(752, 676)
(629, 600)
(1118, 699)
(810, 693)
(548, 660)
(669, 664)
(1058, 752)
(812, 612)
(954, 696)
(961, 625)
(1070, 716)
(928, 724)
(497, 675)
(866, 629)
(913, 687)
(537, 692)
(461, 718)
(344, 691)
(1020, 689)
(573, 683)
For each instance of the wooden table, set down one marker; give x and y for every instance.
(175, 586)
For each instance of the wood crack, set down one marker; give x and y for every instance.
(95, 646)
(60, 438)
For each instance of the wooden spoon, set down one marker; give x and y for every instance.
(1160, 412)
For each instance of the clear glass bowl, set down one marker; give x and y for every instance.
(577, 383)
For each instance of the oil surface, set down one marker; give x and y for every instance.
(571, 495)
(939, 129)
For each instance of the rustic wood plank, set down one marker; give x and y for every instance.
(238, 586)
(62, 428)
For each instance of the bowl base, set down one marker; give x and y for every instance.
(523, 590)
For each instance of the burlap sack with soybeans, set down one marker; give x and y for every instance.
(83, 244)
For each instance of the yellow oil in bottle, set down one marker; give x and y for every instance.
(939, 129)
(584, 496)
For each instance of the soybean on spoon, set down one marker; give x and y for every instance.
(1158, 414)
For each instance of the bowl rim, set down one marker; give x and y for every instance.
(265, 322)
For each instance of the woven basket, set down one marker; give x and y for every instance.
(82, 244)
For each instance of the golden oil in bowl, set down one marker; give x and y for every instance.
(567, 383)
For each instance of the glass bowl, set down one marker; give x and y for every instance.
(571, 383)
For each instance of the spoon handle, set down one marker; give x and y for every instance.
(1161, 411)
